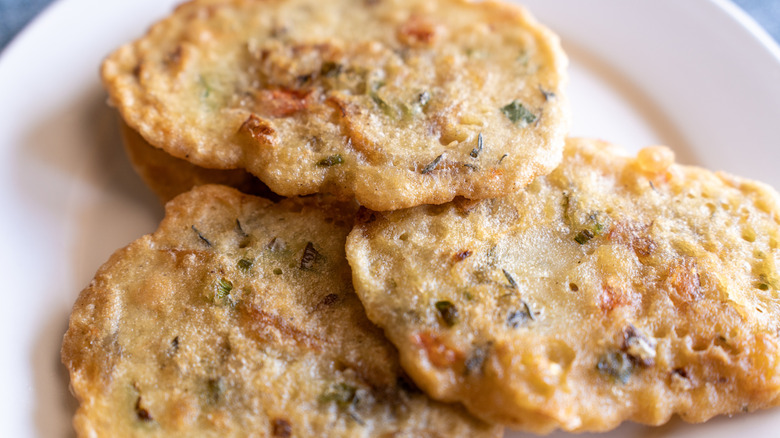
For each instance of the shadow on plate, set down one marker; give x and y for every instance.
(73, 168)
(640, 101)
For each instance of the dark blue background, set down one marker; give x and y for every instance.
(14, 14)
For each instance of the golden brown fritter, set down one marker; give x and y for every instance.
(613, 289)
(394, 102)
(237, 318)
(169, 176)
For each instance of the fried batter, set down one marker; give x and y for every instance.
(394, 102)
(169, 176)
(237, 318)
(613, 289)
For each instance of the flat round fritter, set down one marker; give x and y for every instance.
(237, 318)
(394, 102)
(613, 289)
(168, 176)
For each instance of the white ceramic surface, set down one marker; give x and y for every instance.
(697, 75)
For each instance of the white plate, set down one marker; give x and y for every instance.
(696, 75)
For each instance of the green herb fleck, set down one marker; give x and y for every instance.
(245, 264)
(512, 284)
(475, 152)
(277, 271)
(547, 94)
(566, 206)
(331, 69)
(200, 236)
(205, 86)
(424, 98)
(432, 165)
(277, 245)
(215, 390)
(244, 242)
(475, 363)
(763, 286)
(240, 229)
(448, 312)
(471, 166)
(523, 58)
(584, 236)
(518, 114)
(380, 102)
(617, 365)
(520, 318)
(502, 158)
(341, 393)
(332, 160)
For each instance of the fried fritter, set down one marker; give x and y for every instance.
(394, 102)
(613, 289)
(237, 318)
(169, 176)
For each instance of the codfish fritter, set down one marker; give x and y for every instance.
(613, 289)
(168, 176)
(237, 318)
(394, 102)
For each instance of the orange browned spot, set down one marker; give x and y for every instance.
(685, 281)
(417, 31)
(258, 129)
(281, 428)
(634, 236)
(174, 57)
(338, 104)
(265, 326)
(461, 255)
(612, 297)
(352, 129)
(495, 174)
(282, 103)
(438, 353)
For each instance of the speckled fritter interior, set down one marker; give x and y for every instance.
(394, 102)
(237, 318)
(613, 289)
(168, 176)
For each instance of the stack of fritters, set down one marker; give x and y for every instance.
(538, 284)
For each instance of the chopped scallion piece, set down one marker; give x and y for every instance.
(332, 160)
(448, 312)
(617, 365)
(584, 236)
(309, 256)
(341, 393)
(245, 265)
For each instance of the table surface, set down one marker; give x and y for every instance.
(15, 14)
